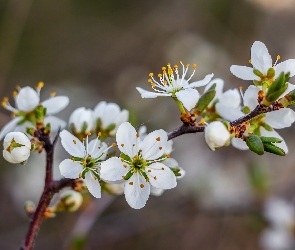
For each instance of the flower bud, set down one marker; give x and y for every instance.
(216, 135)
(70, 200)
(17, 147)
(82, 120)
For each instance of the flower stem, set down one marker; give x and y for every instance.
(180, 106)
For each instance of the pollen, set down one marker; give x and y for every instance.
(123, 176)
(175, 67)
(17, 87)
(159, 75)
(84, 163)
(202, 121)
(14, 93)
(137, 135)
(194, 66)
(89, 133)
(114, 144)
(158, 138)
(52, 93)
(153, 85)
(99, 134)
(150, 80)
(250, 61)
(122, 145)
(155, 177)
(130, 183)
(168, 156)
(83, 139)
(163, 168)
(165, 82)
(163, 68)
(125, 165)
(122, 160)
(133, 144)
(151, 74)
(160, 148)
(141, 185)
(74, 141)
(187, 65)
(278, 57)
(149, 170)
(147, 179)
(40, 85)
(80, 175)
(241, 87)
(140, 150)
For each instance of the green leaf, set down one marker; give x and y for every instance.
(268, 147)
(270, 139)
(204, 101)
(255, 144)
(213, 86)
(275, 95)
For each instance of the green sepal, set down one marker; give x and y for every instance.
(128, 175)
(204, 101)
(257, 83)
(111, 127)
(125, 157)
(246, 110)
(77, 159)
(288, 99)
(213, 86)
(40, 113)
(255, 144)
(84, 127)
(271, 72)
(265, 139)
(267, 127)
(30, 131)
(143, 173)
(84, 172)
(47, 128)
(270, 148)
(96, 175)
(277, 88)
(257, 72)
(256, 131)
(176, 171)
(275, 95)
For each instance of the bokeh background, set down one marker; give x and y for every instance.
(101, 50)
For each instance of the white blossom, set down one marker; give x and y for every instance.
(82, 120)
(176, 86)
(261, 60)
(139, 164)
(85, 160)
(71, 200)
(110, 116)
(26, 100)
(17, 147)
(216, 135)
(277, 239)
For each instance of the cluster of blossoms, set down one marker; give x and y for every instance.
(245, 120)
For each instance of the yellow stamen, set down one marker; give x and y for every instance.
(195, 66)
(40, 85)
(74, 141)
(122, 145)
(14, 93)
(158, 138)
(99, 134)
(114, 144)
(89, 133)
(151, 74)
(150, 80)
(130, 183)
(187, 65)
(141, 185)
(52, 93)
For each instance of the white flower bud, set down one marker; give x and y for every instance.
(17, 147)
(82, 120)
(71, 200)
(216, 135)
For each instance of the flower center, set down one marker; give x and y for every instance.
(138, 164)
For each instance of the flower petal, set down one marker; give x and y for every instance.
(161, 176)
(251, 96)
(7, 156)
(148, 94)
(55, 123)
(70, 169)
(9, 127)
(55, 104)
(126, 139)
(228, 113)
(154, 145)
(219, 87)
(286, 66)
(200, 83)
(72, 144)
(156, 191)
(122, 117)
(93, 185)
(239, 144)
(281, 118)
(20, 154)
(137, 191)
(243, 72)
(273, 133)
(27, 99)
(113, 169)
(231, 98)
(188, 97)
(260, 57)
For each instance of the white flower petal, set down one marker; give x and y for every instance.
(273, 133)
(99, 109)
(93, 185)
(188, 97)
(289, 89)
(200, 83)
(137, 191)
(239, 144)
(286, 66)
(154, 145)
(260, 57)
(281, 118)
(171, 163)
(228, 113)
(23, 127)
(251, 96)
(126, 139)
(161, 176)
(111, 111)
(27, 99)
(55, 104)
(72, 144)
(122, 117)
(70, 169)
(148, 94)
(18, 137)
(219, 86)
(113, 169)
(231, 98)
(7, 157)
(156, 191)
(243, 72)
(20, 154)
(55, 123)
(80, 117)
(9, 127)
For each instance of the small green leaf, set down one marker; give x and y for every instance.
(271, 97)
(257, 72)
(213, 86)
(270, 139)
(268, 147)
(204, 101)
(255, 144)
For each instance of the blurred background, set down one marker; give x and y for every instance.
(101, 50)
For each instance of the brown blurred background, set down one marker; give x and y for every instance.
(101, 50)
